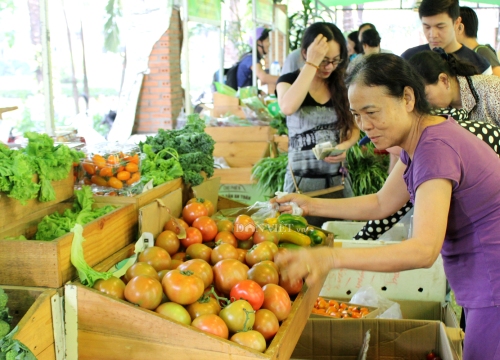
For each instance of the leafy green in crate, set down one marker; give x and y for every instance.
(270, 173)
(193, 145)
(160, 167)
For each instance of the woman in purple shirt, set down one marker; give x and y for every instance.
(450, 176)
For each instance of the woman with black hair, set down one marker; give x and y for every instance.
(353, 46)
(314, 99)
(455, 84)
(449, 175)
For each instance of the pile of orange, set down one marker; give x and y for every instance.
(115, 170)
(339, 310)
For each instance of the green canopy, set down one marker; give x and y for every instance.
(331, 3)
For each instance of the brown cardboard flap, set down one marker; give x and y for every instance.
(153, 217)
(209, 189)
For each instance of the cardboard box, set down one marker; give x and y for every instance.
(325, 339)
(419, 284)
(100, 327)
(47, 263)
(38, 314)
(11, 210)
(248, 194)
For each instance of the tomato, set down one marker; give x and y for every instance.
(227, 273)
(212, 324)
(144, 291)
(176, 227)
(244, 227)
(99, 161)
(200, 268)
(182, 287)
(251, 338)
(135, 178)
(277, 300)
(179, 256)
(192, 211)
(204, 305)
(106, 172)
(238, 316)
(112, 286)
(292, 287)
(207, 227)
(242, 253)
(198, 251)
(271, 263)
(261, 235)
(226, 237)
(141, 268)
(182, 223)
(131, 167)
(258, 253)
(207, 203)
(162, 273)
(266, 323)
(193, 236)
(263, 274)
(174, 311)
(157, 257)
(223, 251)
(174, 264)
(431, 355)
(89, 168)
(225, 225)
(123, 175)
(250, 291)
(115, 183)
(168, 240)
(246, 244)
(98, 180)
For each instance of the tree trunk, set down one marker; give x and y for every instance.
(85, 78)
(36, 35)
(73, 75)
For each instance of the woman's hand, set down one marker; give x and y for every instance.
(311, 264)
(336, 159)
(317, 50)
(302, 201)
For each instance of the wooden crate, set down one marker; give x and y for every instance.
(11, 210)
(142, 199)
(47, 263)
(37, 313)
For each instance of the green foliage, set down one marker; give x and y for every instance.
(55, 225)
(270, 173)
(3, 299)
(4, 328)
(279, 123)
(193, 145)
(160, 167)
(111, 29)
(11, 349)
(368, 170)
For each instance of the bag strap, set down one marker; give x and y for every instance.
(317, 192)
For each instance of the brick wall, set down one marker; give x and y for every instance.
(161, 97)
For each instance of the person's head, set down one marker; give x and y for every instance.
(440, 20)
(386, 97)
(469, 24)
(438, 69)
(353, 43)
(332, 69)
(262, 40)
(363, 27)
(370, 40)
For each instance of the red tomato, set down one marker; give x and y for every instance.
(193, 236)
(212, 324)
(182, 287)
(200, 268)
(174, 311)
(199, 251)
(277, 300)
(227, 273)
(168, 240)
(226, 237)
(265, 235)
(144, 291)
(251, 338)
(238, 316)
(141, 268)
(258, 253)
(292, 287)
(225, 225)
(250, 291)
(112, 286)
(193, 211)
(266, 323)
(207, 203)
(223, 251)
(244, 227)
(204, 305)
(174, 264)
(207, 227)
(263, 274)
(157, 257)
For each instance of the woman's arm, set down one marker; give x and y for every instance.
(429, 222)
(264, 77)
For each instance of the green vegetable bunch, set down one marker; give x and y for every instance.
(161, 167)
(270, 173)
(55, 225)
(368, 170)
(194, 147)
(5, 319)
(11, 349)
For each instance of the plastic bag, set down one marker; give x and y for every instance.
(259, 211)
(367, 296)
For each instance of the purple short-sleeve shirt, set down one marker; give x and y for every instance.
(471, 250)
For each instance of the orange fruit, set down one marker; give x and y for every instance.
(131, 167)
(115, 183)
(106, 171)
(98, 180)
(123, 175)
(99, 161)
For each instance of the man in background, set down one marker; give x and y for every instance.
(365, 26)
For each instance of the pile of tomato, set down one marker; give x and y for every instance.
(217, 276)
(339, 310)
(116, 170)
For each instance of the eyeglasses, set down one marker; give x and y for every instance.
(335, 62)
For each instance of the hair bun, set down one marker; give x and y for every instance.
(441, 53)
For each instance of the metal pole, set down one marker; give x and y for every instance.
(222, 39)
(254, 45)
(185, 43)
(47, 69)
